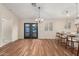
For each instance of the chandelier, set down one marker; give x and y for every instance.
(38, 19)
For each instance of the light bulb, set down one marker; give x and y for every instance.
(36, 19)
(68, 15)
(42, 19)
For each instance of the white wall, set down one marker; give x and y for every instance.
(9, 30)
(8, 26)
(21, 27)
(58, 26)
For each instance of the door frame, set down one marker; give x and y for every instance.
(30, 30)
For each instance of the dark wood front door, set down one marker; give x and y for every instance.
(30, 30)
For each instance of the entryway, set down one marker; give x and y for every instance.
(31, 30)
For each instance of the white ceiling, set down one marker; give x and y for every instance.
(48, 10)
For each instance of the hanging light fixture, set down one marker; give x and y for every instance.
(67, 24)
(77, 15)
(67, 13)
(39, 19)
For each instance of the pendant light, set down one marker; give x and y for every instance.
(67, 13)
(39, 19)
(77, 15)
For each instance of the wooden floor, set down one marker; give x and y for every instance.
(34, 47)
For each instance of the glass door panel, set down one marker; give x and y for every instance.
(27, 30)
(34, 30)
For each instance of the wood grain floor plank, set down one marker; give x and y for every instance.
(34, 47)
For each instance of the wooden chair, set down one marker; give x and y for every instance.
(63, 39)
(57, 37)
(74, 50)
(78, 50)
(70, 42)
